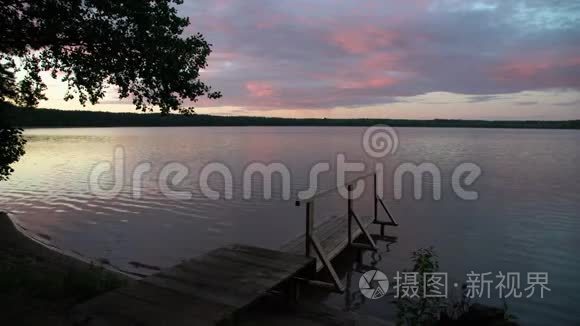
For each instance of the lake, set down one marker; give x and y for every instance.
(526, 217)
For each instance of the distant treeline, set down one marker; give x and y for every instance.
(27, 118)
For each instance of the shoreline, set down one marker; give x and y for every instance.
(39, 285)
(294, 126)
(11, 228)
(54, 118)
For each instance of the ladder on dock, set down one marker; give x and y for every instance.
(327, 240)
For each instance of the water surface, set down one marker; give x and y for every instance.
(527, 217)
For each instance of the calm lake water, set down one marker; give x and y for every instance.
(527, 217)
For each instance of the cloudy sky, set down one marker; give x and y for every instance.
(395, 59)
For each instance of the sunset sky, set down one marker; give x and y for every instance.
(393, 59)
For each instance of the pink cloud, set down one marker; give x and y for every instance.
(274, 54)
(380, 61)
(539, 70)
(259, 89)
(375, 82)
(272, 20)
(518, 70)
(533, 66)
(362, 40)
(225, 55)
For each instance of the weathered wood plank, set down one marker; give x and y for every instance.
(332, 235)
(257, 261)
(190, 308)
(306, 312)
(229, 268)
(117, 309)
(164, 297)
(200, 291)
(326, 263)
(322, 231)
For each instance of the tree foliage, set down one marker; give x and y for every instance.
(141, 48)
(414, 309)
(137, 46)
(420, 309)
(11, 149)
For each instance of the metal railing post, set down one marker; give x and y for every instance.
(309, 225)
(375, 198)
(349, 213)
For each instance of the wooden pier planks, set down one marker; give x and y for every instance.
(212, 288)
(202, 291)
(332, 235)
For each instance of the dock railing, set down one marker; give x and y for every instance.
(312, 241)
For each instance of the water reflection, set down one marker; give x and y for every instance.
(526, 219)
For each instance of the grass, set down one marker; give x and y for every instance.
(35, 277)
(37, 289)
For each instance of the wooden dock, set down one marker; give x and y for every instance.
(332, 235)
(202, 291)
(215, 287)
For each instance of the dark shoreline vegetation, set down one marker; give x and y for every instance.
(39, 286)
(51, 118)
